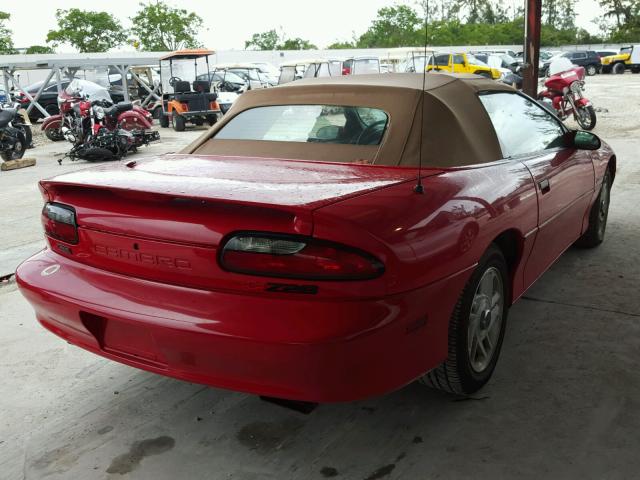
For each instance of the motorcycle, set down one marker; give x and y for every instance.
(97, 128)
(134, 118)
(15, 133)
(563, 93)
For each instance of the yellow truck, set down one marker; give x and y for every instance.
(462, 63)
(627, 59)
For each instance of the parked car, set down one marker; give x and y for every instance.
(225, 80)
(507, 66)
(501, 51)
(628, 58)
(463, 63)
(297, 250)
(588, 59)
(250, 73)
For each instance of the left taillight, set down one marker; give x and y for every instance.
(293, 256)
(59, 222)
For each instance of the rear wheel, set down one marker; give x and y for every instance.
(586, 117)
(164, 121)
(212, 120)
(618, 69)
(157, 113)
(476, 328)
(598, 216)
(635, 69)
(17, 151)
(178, 123)
(591, 70)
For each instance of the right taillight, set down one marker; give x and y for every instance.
(59, 222)
(292, 256)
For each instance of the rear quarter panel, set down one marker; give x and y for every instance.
(423, 238)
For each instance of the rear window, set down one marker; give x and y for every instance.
(308, 123)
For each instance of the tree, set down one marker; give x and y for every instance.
(6, 43)
(394, 26)
(87, 31)
(263, 41)
(296, 44)
(159, 27)
(626, 14)
(341, 45)
(39, 49)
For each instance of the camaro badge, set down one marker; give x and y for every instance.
(50, 270)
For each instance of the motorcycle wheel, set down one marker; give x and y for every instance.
(17, 151)
(54, 134)
(28, 136)
(586, 117)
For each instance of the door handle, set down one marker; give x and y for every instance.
(545, 186)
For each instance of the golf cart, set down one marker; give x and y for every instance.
(185, 98)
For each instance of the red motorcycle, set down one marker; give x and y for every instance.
(98, 129)
(130, 117)
(564, 94)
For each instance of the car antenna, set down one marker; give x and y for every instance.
(419, 188)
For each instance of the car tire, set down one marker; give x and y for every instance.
(591, 70)
(594, 235)
(212, 120)
(464, 372)
(164, 121)
(618, 69)
(178, 123)
(52, 109)
(635, 69)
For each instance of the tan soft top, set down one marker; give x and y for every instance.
(456, 130)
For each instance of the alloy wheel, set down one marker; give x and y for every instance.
(485, 320)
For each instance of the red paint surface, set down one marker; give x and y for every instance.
(143, 286)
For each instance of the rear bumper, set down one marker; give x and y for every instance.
(283, 346)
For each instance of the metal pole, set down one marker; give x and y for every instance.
(123, 70)
(44, 85)
(533, 12)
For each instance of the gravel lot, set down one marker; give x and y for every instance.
(616, 99)
(564, 402)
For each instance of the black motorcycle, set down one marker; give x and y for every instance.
(15, 134)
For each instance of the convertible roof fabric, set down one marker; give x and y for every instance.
(456, 129)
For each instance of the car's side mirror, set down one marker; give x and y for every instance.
(586, 140)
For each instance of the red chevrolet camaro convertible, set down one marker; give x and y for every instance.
(327, 240)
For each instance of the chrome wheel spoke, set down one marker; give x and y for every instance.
(485, 320)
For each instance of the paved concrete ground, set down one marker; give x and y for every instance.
(564, 401)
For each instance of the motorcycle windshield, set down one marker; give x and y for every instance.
(559, 65)
(88, 90)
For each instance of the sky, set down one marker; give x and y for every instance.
(228, 24)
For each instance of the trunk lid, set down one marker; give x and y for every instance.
(163, 218)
